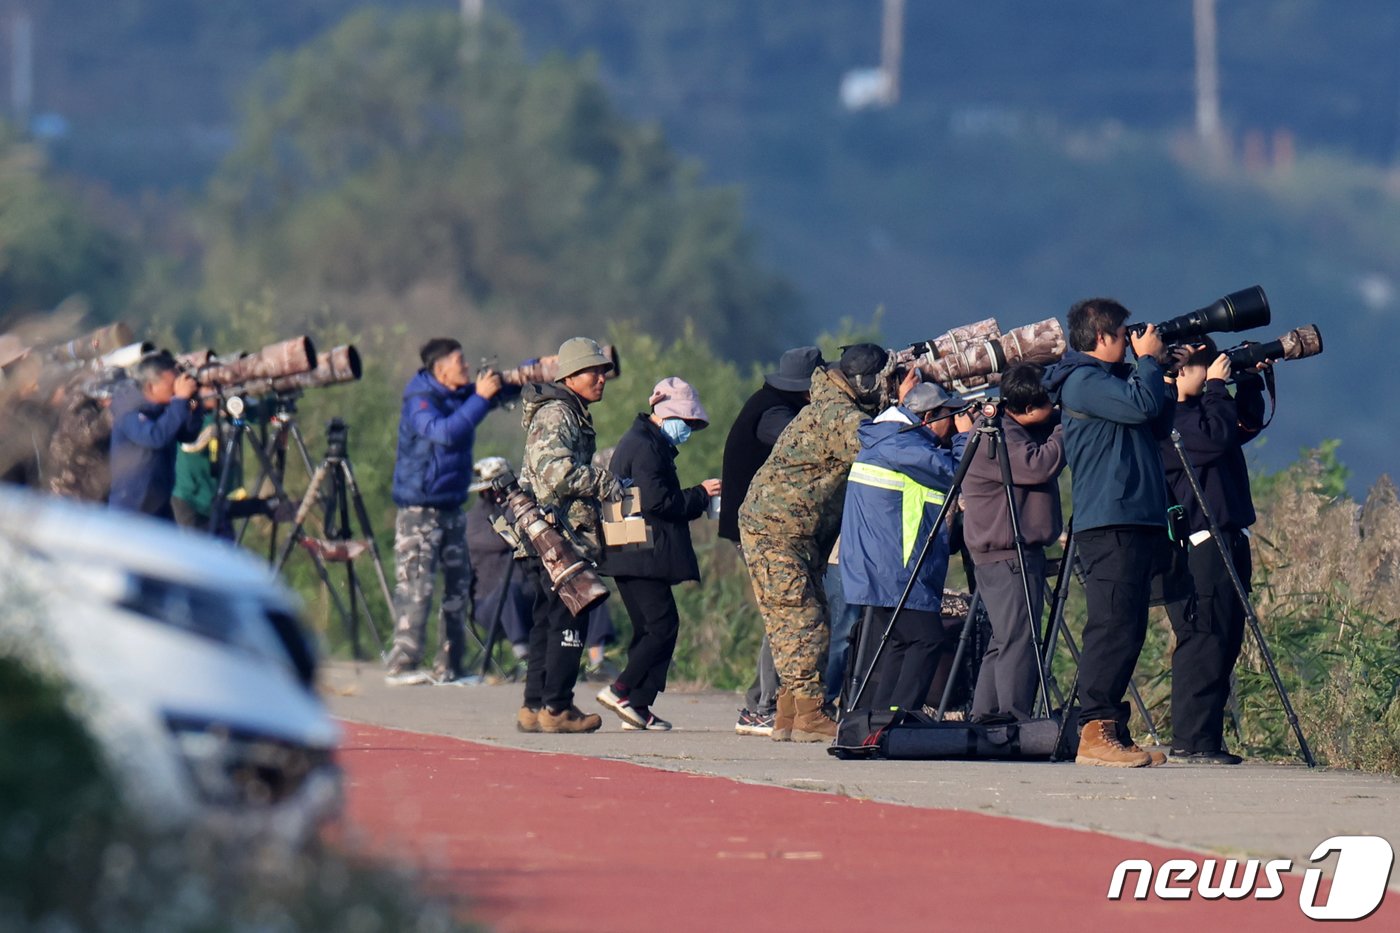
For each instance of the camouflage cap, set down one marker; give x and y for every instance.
(579, 353)
(485, 470)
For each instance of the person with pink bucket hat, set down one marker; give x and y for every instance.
(646, 456)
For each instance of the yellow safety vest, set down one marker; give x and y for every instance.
(914, 498)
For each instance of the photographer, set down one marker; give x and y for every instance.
(432, 470)
(150, 417)
(1033, 444)
(646, 456)
(1209, 626)
(899, 480)
(756, 429)
(789, 522)
(558, 470)
(1116, 415)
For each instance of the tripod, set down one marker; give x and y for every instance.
(339, 545)
(279, 429)
(1055, 627)
(1250, 615)
(496, 630)
(991, 430)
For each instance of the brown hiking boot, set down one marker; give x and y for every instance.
(812, 724)
(1099, 745)
(527, 720)
(572, 719)
(782, 719)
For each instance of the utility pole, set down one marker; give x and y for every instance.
(1208, 126)
(472, 13)
(891, 49)
(22, 69)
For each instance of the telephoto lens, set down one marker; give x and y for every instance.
(1245, 309)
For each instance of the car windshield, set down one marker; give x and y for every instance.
(234, 619)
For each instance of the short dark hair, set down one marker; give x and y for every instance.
(1023, 387)
(436, 349)
(1094, 316)
(154, 365)
(1204, 356)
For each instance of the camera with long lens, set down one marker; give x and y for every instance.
(1245, 309)
(570, 575)
(250, 373)
(544, 369)
(1297, 344)
(974, 355)
(336, 367)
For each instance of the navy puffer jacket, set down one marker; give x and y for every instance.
(437, 427)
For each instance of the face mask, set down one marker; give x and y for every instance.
(676, 430)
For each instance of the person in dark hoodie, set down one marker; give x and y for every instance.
(646, 456)
(1115, 415)
(432, 471)
(558, 469)
(898, 482)
(1210, 627)
(150, 417)
(1034, 447)
(746, 448)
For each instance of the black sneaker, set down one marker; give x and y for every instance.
(653, 722)
(751, 723)
(1220, 757)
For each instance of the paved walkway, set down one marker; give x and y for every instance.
(609, 836)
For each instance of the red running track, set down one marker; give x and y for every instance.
(538, 842)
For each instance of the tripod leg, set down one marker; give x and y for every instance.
(1236, 715)
(496, 629)
(963, 638)
(367, 529)
(1250, 615)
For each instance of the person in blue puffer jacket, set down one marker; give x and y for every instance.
(432, 471)
(897, 484)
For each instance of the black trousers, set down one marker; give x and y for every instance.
(655, 623)
(910, 659)
(1118, 562)
(1209, 630)
(556, 644)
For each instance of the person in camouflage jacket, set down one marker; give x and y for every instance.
(789, 522)
(558, 470)
(78, 450)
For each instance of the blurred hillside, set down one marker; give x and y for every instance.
(1037, 154)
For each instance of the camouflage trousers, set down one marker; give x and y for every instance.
(425, 539)
(787, 585)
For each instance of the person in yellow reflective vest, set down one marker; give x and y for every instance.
(897, 485)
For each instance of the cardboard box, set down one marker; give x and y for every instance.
(630, 504)
(632, 533)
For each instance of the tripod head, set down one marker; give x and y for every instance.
(337, 439)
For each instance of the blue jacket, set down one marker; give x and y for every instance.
(1114, 417)
(144, 440)
(897, 485)
(437, 426)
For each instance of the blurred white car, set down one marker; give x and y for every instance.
(186, 661)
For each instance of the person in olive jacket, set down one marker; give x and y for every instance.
(646, 456)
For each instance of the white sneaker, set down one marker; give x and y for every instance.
(461, 680)
(408, 677)
(620, 705)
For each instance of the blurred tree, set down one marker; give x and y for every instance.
(394, 152)
(50, 247)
